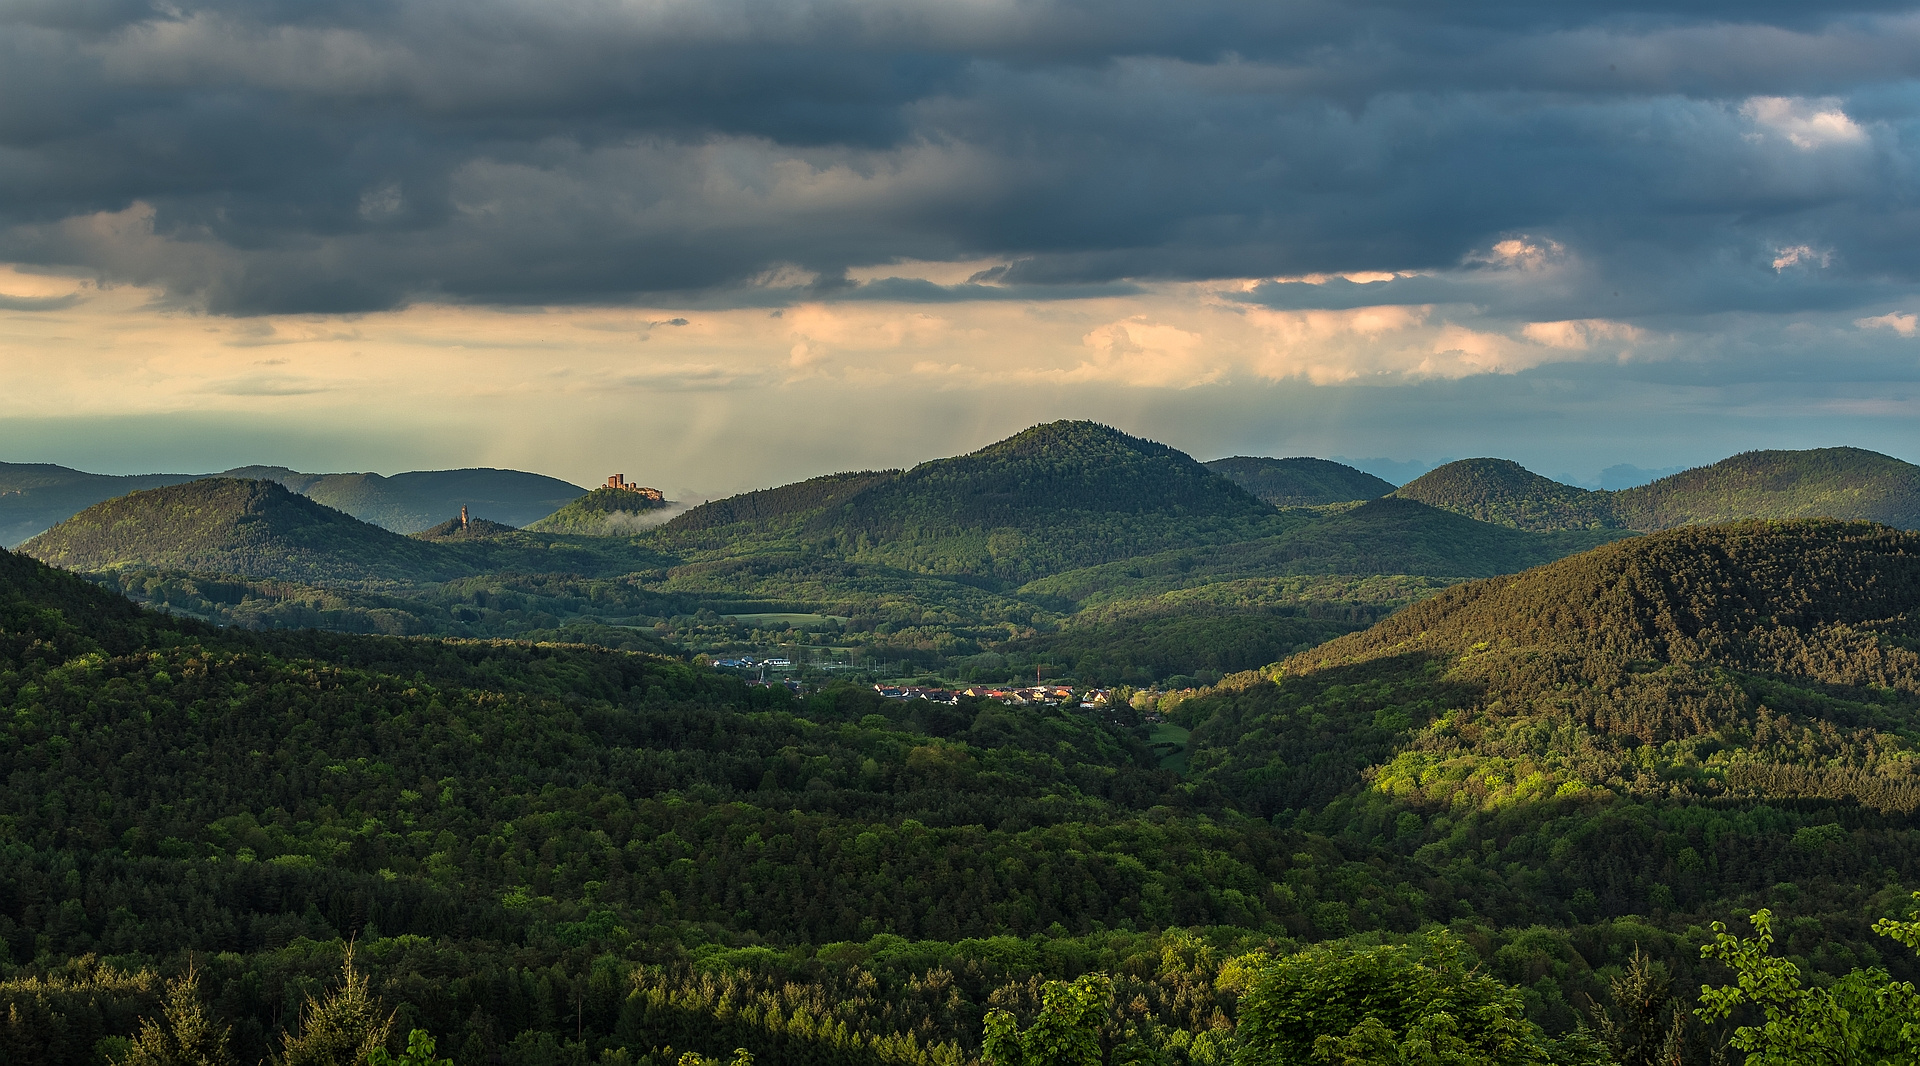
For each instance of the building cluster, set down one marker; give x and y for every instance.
(1056, 695)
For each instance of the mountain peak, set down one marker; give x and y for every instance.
(1503, 492)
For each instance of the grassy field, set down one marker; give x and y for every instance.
(788, 619)
(1171, 742)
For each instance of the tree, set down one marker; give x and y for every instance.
(1865, 1017)
(1066, 1032)
(1417, 1004)
(184, 1036)
(1647, 1025)
(419, 1053)
(344, 1029)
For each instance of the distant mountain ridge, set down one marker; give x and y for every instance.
(417, 499)
(1300, 482)
(1844, 483)
(36, 496)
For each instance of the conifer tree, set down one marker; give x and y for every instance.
(184, 1035)
(344, 1029)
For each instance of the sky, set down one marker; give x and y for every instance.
(722, 244)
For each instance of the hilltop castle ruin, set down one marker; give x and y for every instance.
(620, 482)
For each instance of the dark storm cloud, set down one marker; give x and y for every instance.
(352, 155)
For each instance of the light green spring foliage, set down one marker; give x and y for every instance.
(1417, 1004)
(419, 1052)
(1864, 1018)
(344, 1029)
(1066, 1032)
(184, 1035)
(741, 1057)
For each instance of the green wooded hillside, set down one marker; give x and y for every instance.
(1300, 482)
(231, 526)
(36, 496)
(603, 513)
(1849, 483)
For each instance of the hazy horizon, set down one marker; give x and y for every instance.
(721, 247)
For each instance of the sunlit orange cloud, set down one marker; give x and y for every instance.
(567, 382)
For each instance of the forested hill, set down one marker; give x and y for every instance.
(1757, 662)
(1848, 483)
(1300, 482)
(232, 526)
(1503, 492)
(605, 512)
(1052, 497)
(36, 496)
(776, 506)
(415, 500)
(1822, 482)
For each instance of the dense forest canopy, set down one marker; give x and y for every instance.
(556, 851)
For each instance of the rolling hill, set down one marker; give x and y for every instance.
(1728, 666)
(1845, 483)
(36, 496)
(1051, 498)
(1300, 482)
(607, 512)
(416, 500)
(232, 526)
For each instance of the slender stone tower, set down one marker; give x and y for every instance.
(463, 518)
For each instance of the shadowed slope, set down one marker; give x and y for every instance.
(1300, 482)
(251, 528)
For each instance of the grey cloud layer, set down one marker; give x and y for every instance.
(347, 155)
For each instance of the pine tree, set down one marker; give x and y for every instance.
(184, 1036)
(343, 1029)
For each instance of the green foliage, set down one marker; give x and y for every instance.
(184, 1036)
(1065, 1033)
(1300, 482)
(420, 1049)
(1418, 1003)
(1864, 1017)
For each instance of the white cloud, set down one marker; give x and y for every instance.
(1579, 334)
(1903, 324)
(1797, 254)
(1806, 124)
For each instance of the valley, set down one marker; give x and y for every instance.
(1484, 726)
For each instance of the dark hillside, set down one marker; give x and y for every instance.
(249, 528)
(415, 500)
(775, 504)
(1505, 493)
(1819, 483)
(1300, 482)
